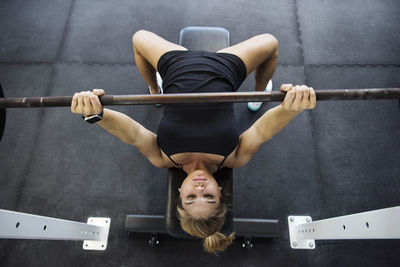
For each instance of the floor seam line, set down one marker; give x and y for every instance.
(132, 64)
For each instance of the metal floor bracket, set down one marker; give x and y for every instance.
(295, 241)
(102, 243)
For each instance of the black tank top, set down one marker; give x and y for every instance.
(206, 128)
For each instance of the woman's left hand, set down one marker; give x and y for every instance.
(298, 98)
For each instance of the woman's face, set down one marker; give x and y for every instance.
(200, 194)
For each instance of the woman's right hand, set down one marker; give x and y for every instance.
(87, 103)
(298, 98)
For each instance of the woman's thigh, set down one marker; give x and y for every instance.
(151, 46)
(254, 51)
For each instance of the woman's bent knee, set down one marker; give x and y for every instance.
(269, 39)
(268, 43)
(139, 35)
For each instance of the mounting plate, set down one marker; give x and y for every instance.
(295, 241)
(102, 243)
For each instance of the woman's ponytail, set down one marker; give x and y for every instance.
(208, 229)
(217, 242)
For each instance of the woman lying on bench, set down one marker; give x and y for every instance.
(200, 138)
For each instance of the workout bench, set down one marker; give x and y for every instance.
(209, 39)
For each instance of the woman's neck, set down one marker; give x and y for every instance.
(198, 164)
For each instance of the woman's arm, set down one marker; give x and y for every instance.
(274, 120)
(119, 125)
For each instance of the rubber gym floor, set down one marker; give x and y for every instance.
(343, 157)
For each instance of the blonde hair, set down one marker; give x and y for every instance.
(208, 228)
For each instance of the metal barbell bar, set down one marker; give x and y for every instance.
(110, 100)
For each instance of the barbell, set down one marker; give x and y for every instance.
(2, 115)
(110, 100)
